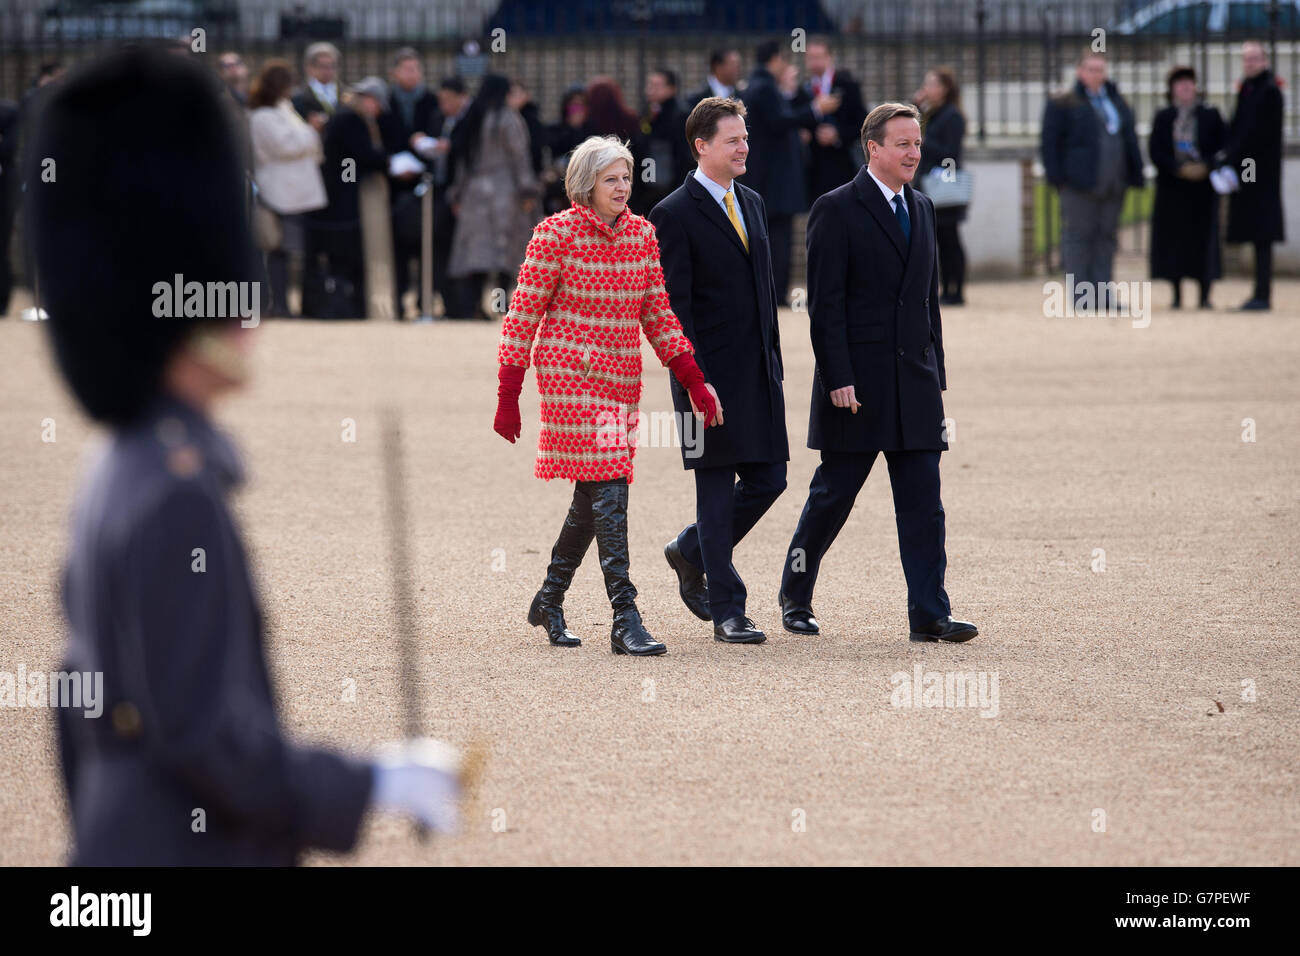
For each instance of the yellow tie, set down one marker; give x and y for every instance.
(735, 219)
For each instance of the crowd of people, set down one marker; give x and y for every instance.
(1090, 152)
(336, 168)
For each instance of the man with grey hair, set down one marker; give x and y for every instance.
(1090, 153)
(317, 101)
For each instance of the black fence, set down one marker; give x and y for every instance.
(1007, 54)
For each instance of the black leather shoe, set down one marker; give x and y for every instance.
(945, 629)
(797, 618)
(1254, 305)
(629, 636)
(552, 618)
(738, 630)
(690, 581)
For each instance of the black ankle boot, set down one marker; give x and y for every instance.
(547, 609)
(609, 515)
(629, 636)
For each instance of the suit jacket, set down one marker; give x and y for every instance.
(397, 134)
(725, 300)
(874, 304)
(1071, 139)
(831, 166)
(776, 169)
(189, 719)
(305, 101)
(692, 100)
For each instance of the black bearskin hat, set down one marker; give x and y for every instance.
(133, 178)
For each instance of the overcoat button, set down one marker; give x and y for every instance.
(900, 351)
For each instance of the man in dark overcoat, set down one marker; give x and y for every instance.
(877, 338)
(718, 270)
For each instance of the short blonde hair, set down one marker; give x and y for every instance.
(586, 162)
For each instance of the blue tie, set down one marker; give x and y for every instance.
(904, 220)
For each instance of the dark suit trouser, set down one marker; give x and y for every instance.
(780, 232)
(918, 512)
(725, 510)
(1089, 229)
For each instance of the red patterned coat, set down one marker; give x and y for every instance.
(585, 293)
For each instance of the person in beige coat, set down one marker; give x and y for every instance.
(495, 193)
(287, 154)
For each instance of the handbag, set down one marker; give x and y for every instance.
(267, 230)
(945, 193)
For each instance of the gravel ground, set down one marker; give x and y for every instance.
(1124, 692)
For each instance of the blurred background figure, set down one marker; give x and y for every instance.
(494, 194)
(1090, 153)
(234, 75)
(1255, 133)
(351, 134)
(1185, 136)
(453, 103)
(608, 113)
(725, 69)
(835, 151)
(663, 133)
(287, 155)
(776, 165)
(319, 97)
(412, 116)
(943, 127)
(562, 139)
(521, 101)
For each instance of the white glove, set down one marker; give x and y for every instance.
(1224, 180)
(420, 778)
(426, 146)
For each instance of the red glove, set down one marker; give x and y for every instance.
(507, 423)
(688, 373)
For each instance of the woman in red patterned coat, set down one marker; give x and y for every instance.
(589, 285)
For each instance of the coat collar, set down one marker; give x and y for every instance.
(713, 212)
(612, 232)
(869, 195)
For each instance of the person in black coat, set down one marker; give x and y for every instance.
(718, 272)
(725, 68)
(1255, 133)
(942, 129)
(776, 166)
(352, 134)
(412, 115)
(1090, 153)
(663, 128)
(320, 94)
(1185, 136)
(834, 155)
(877, 337)
(182, 759)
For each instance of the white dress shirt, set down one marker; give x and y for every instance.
(720, 89)
(889, 194)
(718, 193)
